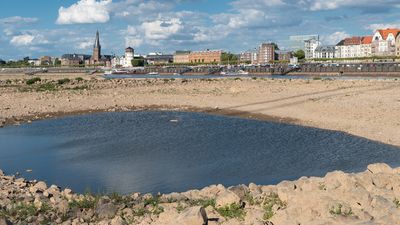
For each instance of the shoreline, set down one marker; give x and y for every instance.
(374, 198)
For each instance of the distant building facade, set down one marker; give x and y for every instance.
(297, 42)
(74, 59)
(124, 61)
(46, 60)
(354, 47)
(384, 42)
(281, 55)
(209, 56)
(266, 53)
(325, 52)
(34, 62)
(159, 59)
(398, 45)
(309, 48)
(181, 57)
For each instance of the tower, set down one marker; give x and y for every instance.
(96, 49)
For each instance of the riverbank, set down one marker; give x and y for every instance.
(370, 197)
(367, 108)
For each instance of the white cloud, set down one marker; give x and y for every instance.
(377, 26)
(85, 44)
(132, 37)
(161, 29)
(17, 20)
(334, 38)
(28, 39)
(85, 11)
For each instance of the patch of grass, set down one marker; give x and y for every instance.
(233, 210)
(180, 207)
(157, 210)
(203, 202)
(396, 203)
(238, 78)
(33, 80)
(338, 211)
(269, 202)
(46, 87)
(317, 78)
(322, 187)
(184, 81)
(63, 81)
(8, 81)
(22, 211)
(79, 79)
(254, 78)
(140, 212)
(118, 198)
(250, 199)
(88, 202)
(152, 201)
(81, 87)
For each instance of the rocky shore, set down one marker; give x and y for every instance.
(370, 197)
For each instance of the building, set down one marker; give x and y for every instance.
(181, 57)
(366, 46)
(2, 62)
(97, 58)
(325, 52)
(209, 56)
(297, 42)
(283, 56)
(398, 45)
(159, 59)
(384, 42)
(46, 60)
(310, 46)
(266, 53)
(34, 62)
(354, 47)
(124, 61)
(74, 59)
(248, 56)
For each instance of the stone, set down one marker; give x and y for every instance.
(106, 211)
(226, 198)
(4, 221)
(380, 168)
(39, 186)
(118, 221)
(63, 206)
(192, 216)
(1, 173)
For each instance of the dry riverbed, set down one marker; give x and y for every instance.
(367, 108)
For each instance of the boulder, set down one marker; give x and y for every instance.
(1, 173)
(106, 211)
(380, 168)
(192, 216)
(118, 221)
(4, 221)
(39, 186)
(226, 198)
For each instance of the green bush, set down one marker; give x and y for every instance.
(33, 80)
(63, 81)
(233, 210)
(79, 79)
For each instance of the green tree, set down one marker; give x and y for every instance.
(229, 57)
(275, 45)
(300, 54)
(137, 62)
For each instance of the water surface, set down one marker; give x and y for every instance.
(155, 151)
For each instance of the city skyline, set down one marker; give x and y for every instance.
(67, 26)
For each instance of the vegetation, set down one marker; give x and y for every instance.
(46, 87)
(88, 202)
(275, 45)
(138, 62)
(396, 202)
(20, 210)
(233, 210)
(33, 80)
(300, 54)
(203, 202)
(269, 202)
(63, 81)
(338, 211)
(229, 58)
(79, 79)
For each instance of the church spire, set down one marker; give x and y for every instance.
(97, 41)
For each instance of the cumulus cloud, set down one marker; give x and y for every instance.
(28, 39)
(85, 11)
(334, 38)
(161, 29)
(377, 26)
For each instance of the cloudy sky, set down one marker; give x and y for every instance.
(54, 27)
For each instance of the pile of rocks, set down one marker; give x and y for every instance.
(370, 197)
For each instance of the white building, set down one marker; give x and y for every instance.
(309, 48)
(124, 61)
(325, 52)
(34, 62)
(354, 47)
(384, 42)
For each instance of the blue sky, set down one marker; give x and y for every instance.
(55, 27)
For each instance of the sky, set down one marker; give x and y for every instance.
(56, 27)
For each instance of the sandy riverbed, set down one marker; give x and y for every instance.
(367, 108)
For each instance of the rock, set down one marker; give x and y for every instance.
(63, 206)
(380, 168)
(1, 173)
(192, 216)
(4, 221)
(118, 221)
(226, 198)
(39, 186)
(106, 211)
(241, 191)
